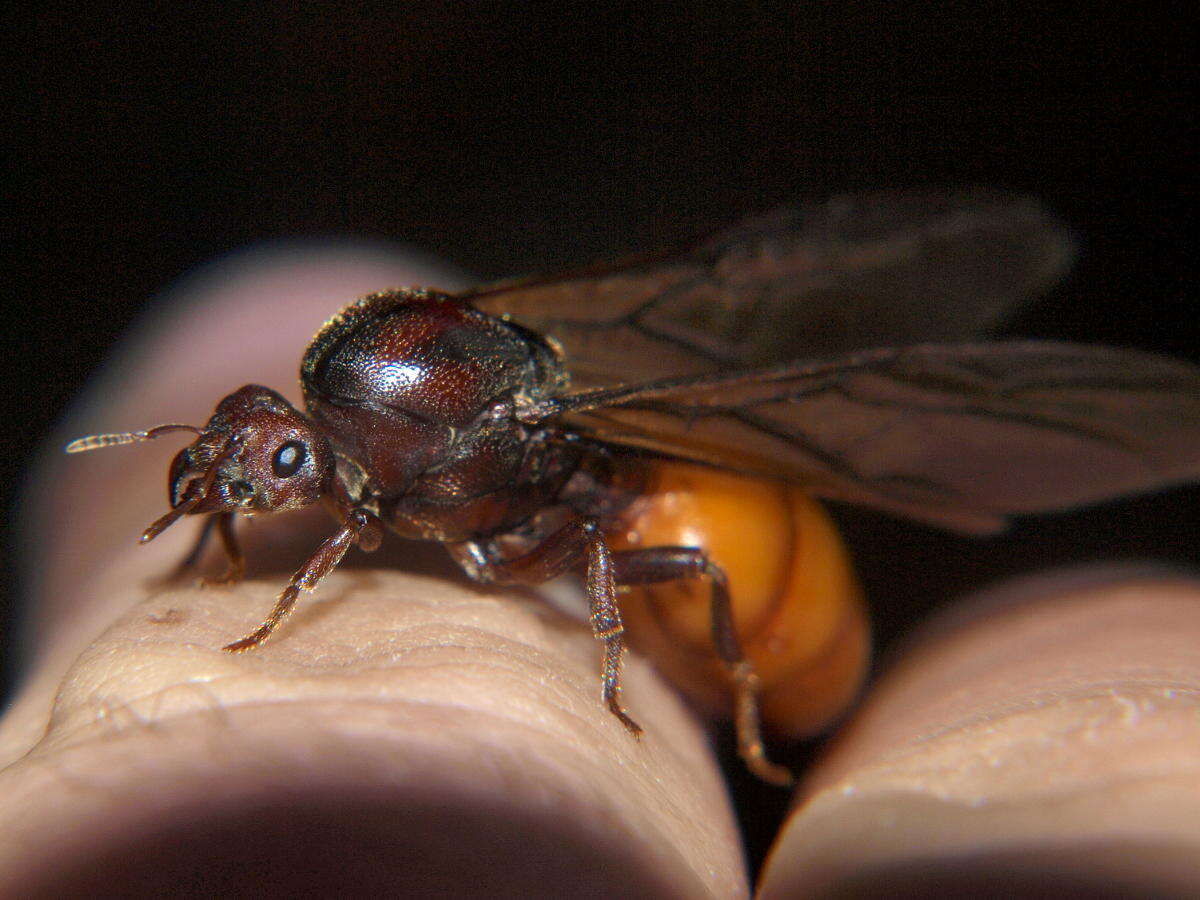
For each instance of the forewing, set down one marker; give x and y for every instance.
(804, 282)
(958, 435)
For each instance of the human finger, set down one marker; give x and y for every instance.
(1043, 743)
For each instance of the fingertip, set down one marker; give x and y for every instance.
(1046, 737)
(469, 721)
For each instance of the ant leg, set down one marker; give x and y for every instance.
(658, 564)
(236, 560)
(320, 564)
(580, 540)
(601, 588)
(188, 563)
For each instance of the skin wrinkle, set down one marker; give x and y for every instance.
(1047, 699)
(502, 651)
(158, 725)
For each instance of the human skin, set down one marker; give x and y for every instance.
(413, 734)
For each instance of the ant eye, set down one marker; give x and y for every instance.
(288, 459)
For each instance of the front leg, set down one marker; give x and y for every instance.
(235, 560)
(358, 525)
(235, 567)
(579, 541)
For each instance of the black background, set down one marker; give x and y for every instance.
(509, 139)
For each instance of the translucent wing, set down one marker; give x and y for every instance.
(958, 435)
(800, 283)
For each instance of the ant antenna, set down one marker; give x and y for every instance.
(96, 441)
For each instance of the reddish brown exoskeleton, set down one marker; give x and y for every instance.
(658, 425)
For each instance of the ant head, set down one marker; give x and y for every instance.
(257, 454)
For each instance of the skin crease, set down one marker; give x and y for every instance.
(411, 734)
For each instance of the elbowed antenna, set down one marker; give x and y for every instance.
(96, 441)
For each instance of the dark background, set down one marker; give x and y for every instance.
(509, 140)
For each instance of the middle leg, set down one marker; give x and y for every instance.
(579, 542)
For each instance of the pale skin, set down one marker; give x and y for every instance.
(407, 732)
